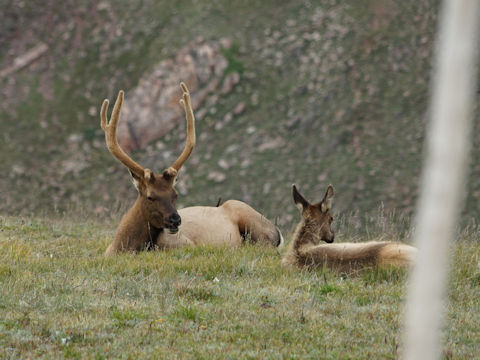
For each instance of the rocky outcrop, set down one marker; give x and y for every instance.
(151, 110)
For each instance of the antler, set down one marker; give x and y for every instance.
(110, 128)
(190, 142)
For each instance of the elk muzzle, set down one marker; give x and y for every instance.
(173, 222)
(329, 239)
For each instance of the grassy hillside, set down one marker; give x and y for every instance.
(339, 91)
(61, 298)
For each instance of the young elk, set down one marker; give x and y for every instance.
(305, 249)
(143, 226)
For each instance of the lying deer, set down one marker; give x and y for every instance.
(305, 248)
(143, 226)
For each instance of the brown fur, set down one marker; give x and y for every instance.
(155, 207)
(305, 251)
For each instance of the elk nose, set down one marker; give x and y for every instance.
(175, 220)
(331, 239)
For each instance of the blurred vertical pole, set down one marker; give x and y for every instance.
(443, 178)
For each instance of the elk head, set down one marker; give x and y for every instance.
(156, 202)
(317, 219)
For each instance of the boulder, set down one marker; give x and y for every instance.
(151, 109)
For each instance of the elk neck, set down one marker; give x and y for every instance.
(302, 235)
(153, 233)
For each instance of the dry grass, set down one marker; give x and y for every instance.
(60, 298)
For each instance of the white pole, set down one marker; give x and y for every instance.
(443, 175)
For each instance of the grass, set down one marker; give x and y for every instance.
(61, 298)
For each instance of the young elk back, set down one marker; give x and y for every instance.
(155, 207)
(305, 249)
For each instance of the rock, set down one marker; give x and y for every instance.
(200, 114)
(151, 109)
(223, 164)
(226, 43)
(17, 170)
(228, 117)
(231, 148)
(245, 163)
(266, 188)
(271, 144)
(216, 176)
(255, 98)
(293, 123)
(239, 109)
(230, 81)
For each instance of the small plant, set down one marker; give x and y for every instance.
(188, 312)
(234, 64)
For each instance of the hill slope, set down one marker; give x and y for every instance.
(333, 93)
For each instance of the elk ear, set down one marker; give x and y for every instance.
(326, 203)
(299, 199)
(170, 174)
(137, 181)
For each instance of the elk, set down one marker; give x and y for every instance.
(305, 249)
(154, 211)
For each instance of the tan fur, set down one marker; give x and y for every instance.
(346, 257)
(226, 225)
(305, 251)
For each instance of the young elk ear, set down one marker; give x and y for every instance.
(137, 181)
(299, 199)
(326, 203)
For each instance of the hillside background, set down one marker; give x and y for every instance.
(312, 93)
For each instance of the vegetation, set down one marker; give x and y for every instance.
(337, 90)
(61, 298)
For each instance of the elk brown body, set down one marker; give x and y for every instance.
(153, 221)
(305, 249)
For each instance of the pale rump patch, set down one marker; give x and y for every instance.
(398, 254)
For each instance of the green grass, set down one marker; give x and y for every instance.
(61, 298)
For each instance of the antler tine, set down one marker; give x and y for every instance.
(110, 128)
(190, 141)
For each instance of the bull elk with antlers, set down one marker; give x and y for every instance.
(143, 226)
(305, 249)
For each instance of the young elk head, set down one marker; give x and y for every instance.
(316, 218)
(156, 202)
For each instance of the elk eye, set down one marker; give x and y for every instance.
(149, 198)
